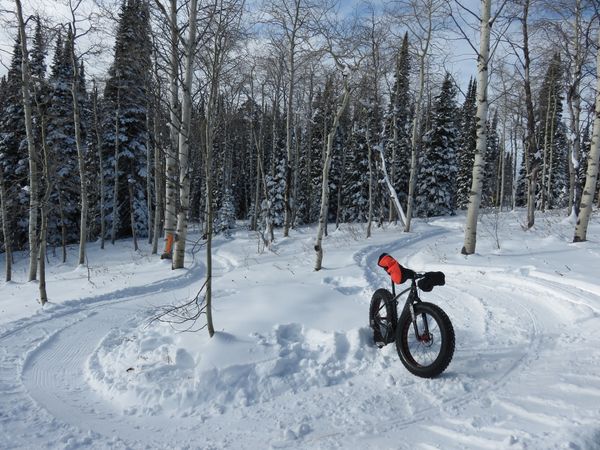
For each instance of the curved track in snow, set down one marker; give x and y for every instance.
(509, 347)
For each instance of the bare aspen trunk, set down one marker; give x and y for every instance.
(209, 218)
(531, 161)
(158, 187)
(415, 130)
(325, 179)
(217, 54)
(574, 103)
(545, 157)
(44, 220)
(100, 164)
(132, 213)
(63, 227)
(171, 160)
(5, 229)
(392, 216)
(338, 216)
(370, 165)
(503, 165)
(587, 199)
(551, 144)
(149, 156)
(254, 224)
(80, 156)
(184, 142)
(514, 168)
(115, 211)
(480, 147)
(261, 176)
(289, 116)
(288, 144)
(295, 174)
(42, 254)
(394, 201)
(33, 170)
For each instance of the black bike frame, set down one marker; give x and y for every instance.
(411, 299)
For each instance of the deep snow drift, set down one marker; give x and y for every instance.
(292, 364)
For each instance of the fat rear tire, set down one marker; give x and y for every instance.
(383, 317)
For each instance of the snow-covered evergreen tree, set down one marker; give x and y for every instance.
(438, 165)
(466, 145)
(276, 190)
(60, 135)
(13, 150)
(355, 189)
(125, 133)
(551, 136)
(491, 179)
(225, 217)
(398, 125)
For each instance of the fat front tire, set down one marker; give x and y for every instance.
(383, 317)
(428, 354)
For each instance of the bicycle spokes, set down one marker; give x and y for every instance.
(425, 343)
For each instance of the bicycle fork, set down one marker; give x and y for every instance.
(421, 337)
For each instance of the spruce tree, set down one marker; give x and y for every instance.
(60, 135)
(551, 136)
(398, 125)
(13, 150)
(125, 133)
(492, 164)
(355, 188)
(466, 145)
(438, 168)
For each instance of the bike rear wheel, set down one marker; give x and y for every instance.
(428, 350)
(383, 317)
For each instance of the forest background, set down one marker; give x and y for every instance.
(285, 113)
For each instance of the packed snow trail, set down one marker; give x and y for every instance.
(300, 370)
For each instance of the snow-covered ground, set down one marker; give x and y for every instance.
(292, 364)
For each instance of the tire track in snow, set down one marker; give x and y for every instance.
(41, 369)
(530, 304)
(367, 258)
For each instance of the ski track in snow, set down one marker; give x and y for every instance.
(502, 345)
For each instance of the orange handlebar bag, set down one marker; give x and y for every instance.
(391, 266)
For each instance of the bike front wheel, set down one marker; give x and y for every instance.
(427, 349)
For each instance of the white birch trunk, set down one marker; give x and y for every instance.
(550, 146)
(149, 163)
(415, 130)
(587, 198)
(33, 170)
(503, 165)
(288, 136)
(370, 165)
(132, 214)
(482, 108)
(100, 165)
(184, 141)
(174, 127)
(393, 195)
(5, 230)
(80, 156)
(115, 211)
(574, 103)
(44, 220)
(289, 117)
(209, 210)
(325, 180)
(158, 187)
